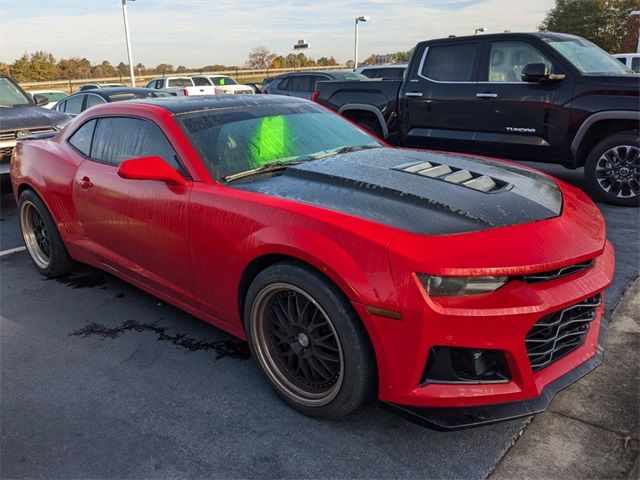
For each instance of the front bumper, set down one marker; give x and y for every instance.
(457, 418)
(498, 321)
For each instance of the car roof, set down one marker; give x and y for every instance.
(388, 65)
(178, 105)
(109, 91)
(325, 72)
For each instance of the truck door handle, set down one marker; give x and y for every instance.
(413, 94)
(486, 95)
(85, 183)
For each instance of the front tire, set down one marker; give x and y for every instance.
(308, 341)
(41, 237)
(612, 169)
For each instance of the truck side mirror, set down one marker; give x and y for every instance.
(534, 72)
(538, 72)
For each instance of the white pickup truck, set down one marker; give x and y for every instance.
(180, 86)
(222, 83)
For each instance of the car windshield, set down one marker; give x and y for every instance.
(119, 97)
(236, 140)
(349, 76)
(588, 58)
(221, 81)
(10, 95)
(53, 96)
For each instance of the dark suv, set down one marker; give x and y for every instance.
(303, 84)
(545, 97)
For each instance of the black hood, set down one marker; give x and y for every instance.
(421, 192)
(29, 116)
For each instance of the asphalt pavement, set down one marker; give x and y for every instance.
(99, 379)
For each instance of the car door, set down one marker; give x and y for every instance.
(137, 227)
(73, 105)
(437, 99)
(517, 118)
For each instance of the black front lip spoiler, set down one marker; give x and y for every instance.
(446, 419)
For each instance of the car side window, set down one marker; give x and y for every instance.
(200, 81)
(285, 84)
(81, 139)
(635, 64)
(508, 59)
(74, 104)
(120, 138)
(61, 106)
(159, 84)
(450, 63)
(151, 84)
(93, 100)
(302, 83)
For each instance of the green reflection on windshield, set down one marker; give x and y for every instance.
(268, 143)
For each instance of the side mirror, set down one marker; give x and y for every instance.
(538, 72)
(40, 100)
(150, 168)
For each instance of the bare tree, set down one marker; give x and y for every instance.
(260, 57)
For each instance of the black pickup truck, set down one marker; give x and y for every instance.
(545, 97)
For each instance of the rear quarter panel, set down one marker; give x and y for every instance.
(43, 166)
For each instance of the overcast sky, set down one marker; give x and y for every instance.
(204, 32)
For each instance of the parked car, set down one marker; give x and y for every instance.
(21, 115)
(394, 71)
(180, 86)
(54, 96)
(353, 269)
(93, 86)
(223, 84)
(544, 96)
(631, 60)
(303, 84)
(256, 87)
(77, 103)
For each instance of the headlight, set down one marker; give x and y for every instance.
(449, 286)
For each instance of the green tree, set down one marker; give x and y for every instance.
(35, 67)
(74, 68)
(604, 22)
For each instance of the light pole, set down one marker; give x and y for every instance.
(636, 13)
(355, 50)
(126, 34)
(480, 29)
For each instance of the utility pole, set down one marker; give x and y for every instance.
(126, 34)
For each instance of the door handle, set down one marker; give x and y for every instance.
(486, 95)
(413, 94)
(85, 183)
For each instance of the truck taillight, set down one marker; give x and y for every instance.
(185, 92)
(314, 96)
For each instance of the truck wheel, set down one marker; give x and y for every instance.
(41, 237)
(612, 169)
(308, 341)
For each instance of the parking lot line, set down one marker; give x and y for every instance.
(11, 251)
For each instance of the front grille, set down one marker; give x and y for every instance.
(553, 274)
(556, 335)
(5, 154)
(23, 132)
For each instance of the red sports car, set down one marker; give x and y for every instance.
(456, 289)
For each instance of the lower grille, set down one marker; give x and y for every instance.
(556, 335)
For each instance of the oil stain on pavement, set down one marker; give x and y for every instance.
(229, 348)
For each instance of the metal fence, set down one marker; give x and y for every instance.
(141, 81)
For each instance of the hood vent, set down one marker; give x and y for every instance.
(463, 177)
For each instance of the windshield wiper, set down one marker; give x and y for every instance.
(341, 150)
(268, 168)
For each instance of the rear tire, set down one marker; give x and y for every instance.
(308, 341)
(41, 237)
(612, 169)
